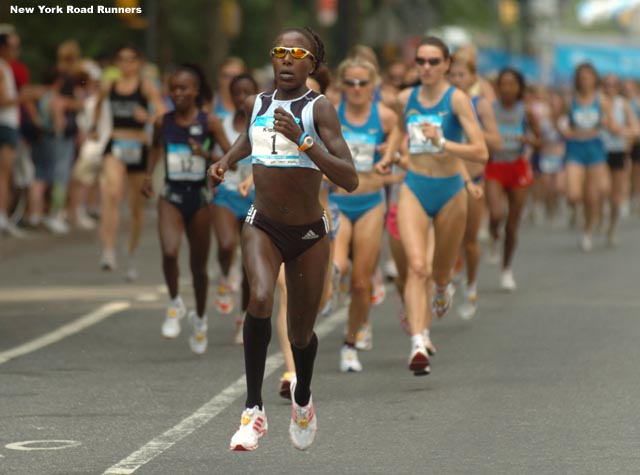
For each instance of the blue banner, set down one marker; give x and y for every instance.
(491, 61)
(620, 60)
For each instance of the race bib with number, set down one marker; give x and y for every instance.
(271, 148)
(511, 135)
(363, 149)
(418, 143)
(128, 152)
(182, 165)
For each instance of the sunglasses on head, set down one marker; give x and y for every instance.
(355, 82)
(296, 53)
(431, 61)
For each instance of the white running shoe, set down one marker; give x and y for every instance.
(441, 303)
(84, 221)
(468, 308)
(12, 230)
(224, 299)
(198, 339)
(285, 385)
(586, 245)
(419, 361)
(108, 260)
(56, 225)
(364, 337)
(391, 270)
(171, 325)
(349, 362)
(493, 253)
(428, 344)
(253, 425)
(304, 424)
(507, 282)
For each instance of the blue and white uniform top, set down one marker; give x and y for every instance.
(272, 149)
(612, 142)
(232, 178)
(182, 166)
(585, 117)
(363, 140)
(512, 124)
(441, 115)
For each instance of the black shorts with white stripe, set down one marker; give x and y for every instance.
(291, 240)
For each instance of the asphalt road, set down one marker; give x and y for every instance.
(543, 380)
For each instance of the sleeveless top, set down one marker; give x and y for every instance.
(615, 143)
(512, 126)
(441, 115)
(9, 115)
(123, 106)
(181, 166)
(272, 149)
(585, 117)
(232, 178)
(363, 140)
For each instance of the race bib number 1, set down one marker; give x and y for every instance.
(271, 148)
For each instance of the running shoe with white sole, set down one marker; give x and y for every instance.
(364, 337)
(507, 282)
(285, 384)
(171, 325)
(428, 344)
(304, 424)
(224, 299)
(253, 425)
(108, 260)
(419, 361)
(56, 225)
(349, 362)
(198, 339)
(441, 303)
(468, 308)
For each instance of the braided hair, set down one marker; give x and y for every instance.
(317, 45)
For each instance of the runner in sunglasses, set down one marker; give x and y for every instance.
(435, 115)
(293, 138)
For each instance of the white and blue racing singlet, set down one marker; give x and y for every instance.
(363, 140)
(272, 149)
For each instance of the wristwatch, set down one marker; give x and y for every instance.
(306, 143)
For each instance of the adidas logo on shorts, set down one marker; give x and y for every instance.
(310, 235)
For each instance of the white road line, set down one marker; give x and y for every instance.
(67, 330)
(210, 409)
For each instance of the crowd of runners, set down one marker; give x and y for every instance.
(317, 183)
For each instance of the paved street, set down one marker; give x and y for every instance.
(544, 380)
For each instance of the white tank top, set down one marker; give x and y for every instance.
(272, 149)
(9, 115)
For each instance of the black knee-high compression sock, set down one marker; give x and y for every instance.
(256, 333)
(304, 359)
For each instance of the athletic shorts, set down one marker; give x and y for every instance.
(615, 160)
(586, 153)
(188, 199)
(291, 240)
(551, 164)
(356, 206)
(8, 136)
(239, 205)
(511, 175)
(433, 193)
(135, 162)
